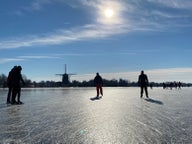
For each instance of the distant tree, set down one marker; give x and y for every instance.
(113, 83)
(123, 83)
(28, 82)
(34, 84)
(3, 80)
(75, 83)
(91, 83)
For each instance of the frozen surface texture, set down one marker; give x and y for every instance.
(73, 116)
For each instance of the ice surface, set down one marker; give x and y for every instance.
(71, 116)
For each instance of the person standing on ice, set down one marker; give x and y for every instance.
(143, 83)
(16, 91)
(98, 81)
(9, 84)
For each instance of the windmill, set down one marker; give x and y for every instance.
(65, 77)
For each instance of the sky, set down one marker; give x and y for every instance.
(117, 38)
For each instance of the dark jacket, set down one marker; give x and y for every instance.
(98, 80)
(143, 80)
(16, 78)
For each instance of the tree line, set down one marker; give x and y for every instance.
(75, 83)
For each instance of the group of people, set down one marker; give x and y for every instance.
(142, 81)
(15, 77)
(172, 85)
(13, 83)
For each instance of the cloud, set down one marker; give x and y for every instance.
(27, 57)
(171, 74)
(37, 5)
(38, 57)
(154, 75)
(8, 60)
(62, 36)
(178, 4)
(49, 56)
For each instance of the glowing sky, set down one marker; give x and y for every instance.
(117, 38)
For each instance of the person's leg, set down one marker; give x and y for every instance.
(97, 88)
(18, 95)
(141, 91)
(9, 95)
(101, 90)
(146, 92)
(14, 92)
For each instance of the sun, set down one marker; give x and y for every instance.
(109, 13)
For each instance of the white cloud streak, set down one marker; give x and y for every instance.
(27, 57)
(49, 56)
(38, 57)
(76, 34)
(8, 60)
(179, 4)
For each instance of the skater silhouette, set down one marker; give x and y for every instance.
(143, 83)
(9, 84)
(98, 81)
(16, 91)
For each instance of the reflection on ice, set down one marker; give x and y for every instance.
(70, 116)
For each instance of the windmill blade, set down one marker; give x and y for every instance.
(72, 74)
(59, 74)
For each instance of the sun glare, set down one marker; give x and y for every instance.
(109, 13)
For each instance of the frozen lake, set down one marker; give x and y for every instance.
(68, 115)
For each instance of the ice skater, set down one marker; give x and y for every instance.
(143, 83)
(9, 84)
(16, 91)
(98, 81)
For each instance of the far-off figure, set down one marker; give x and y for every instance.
(143, 83)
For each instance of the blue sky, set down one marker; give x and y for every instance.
(117, 38)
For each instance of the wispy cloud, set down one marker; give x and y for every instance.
(48, 56)
(36, 5)
(8, 60)
(64, 36)
(179, 4)
(40, 5)
(38, 57)
(27, 57)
